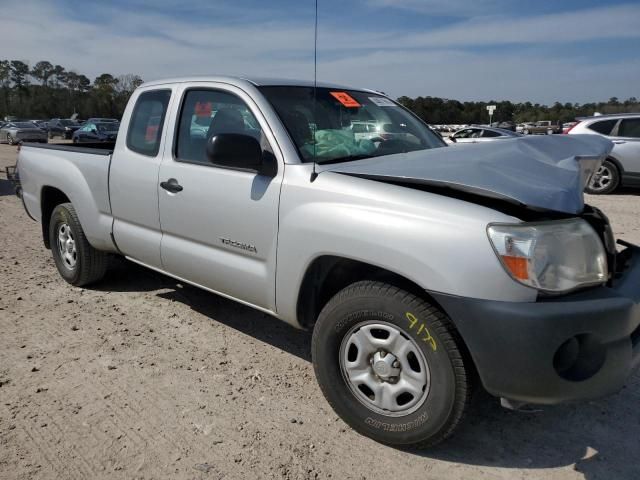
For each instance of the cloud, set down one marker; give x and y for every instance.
(463, 8)
(598, 23)
(444, 62)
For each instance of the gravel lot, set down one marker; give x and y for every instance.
(141, 377)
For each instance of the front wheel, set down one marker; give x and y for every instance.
(605, 180)
(9, 139)
(77, 261)
(390, 364)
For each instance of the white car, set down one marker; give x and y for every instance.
(481, 134)
(622, 167)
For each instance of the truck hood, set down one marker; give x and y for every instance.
(546, 172)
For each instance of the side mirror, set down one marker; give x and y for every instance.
(235, 150)
(452, 139)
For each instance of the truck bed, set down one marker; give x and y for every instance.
(80, 172)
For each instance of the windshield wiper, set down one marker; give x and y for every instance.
(347, 158)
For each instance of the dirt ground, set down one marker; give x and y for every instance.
(141, 377)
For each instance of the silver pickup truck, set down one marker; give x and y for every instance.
(423, 270)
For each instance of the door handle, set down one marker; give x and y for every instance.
(171, 185)
(619, 142)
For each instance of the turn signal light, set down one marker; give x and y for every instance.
(517, 266)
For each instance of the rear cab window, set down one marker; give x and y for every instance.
(147, 119)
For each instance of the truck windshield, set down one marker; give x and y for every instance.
(347, 124)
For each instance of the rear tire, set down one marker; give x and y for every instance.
(426, 356)
(605, 180)
(77, 261)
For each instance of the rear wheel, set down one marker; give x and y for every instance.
(390, 365)
(605, 180)
(77, 261)
(9, 139)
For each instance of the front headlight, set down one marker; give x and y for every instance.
(555, 256)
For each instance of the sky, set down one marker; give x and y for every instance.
(542, 51)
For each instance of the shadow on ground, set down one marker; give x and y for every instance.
(125, 276)
(600, 437)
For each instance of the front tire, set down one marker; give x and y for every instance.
(9, 139)
(391, 365)
(605, 180)
(77, 261)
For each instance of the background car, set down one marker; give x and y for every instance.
(101, 120)
(480, 134)
(96, 132)
(41, 124)
(568, 126)
(14, 132)
(62, 127)
(542, 127)
(622, 167)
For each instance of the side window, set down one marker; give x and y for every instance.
(629, 127)
(206, 113)
(464, 133)
(603, 127)
(146, 122)
(490, 133)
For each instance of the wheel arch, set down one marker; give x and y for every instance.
(326, 275)
(50, 198)
(617, 163)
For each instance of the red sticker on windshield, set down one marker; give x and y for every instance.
(345, 99)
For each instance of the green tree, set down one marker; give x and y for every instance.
(42, 71)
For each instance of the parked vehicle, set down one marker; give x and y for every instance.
(622, 166)
(419, 267)
(521, 127)
(568, 126)
(102, 120)
(62, 127)
(543, 127)
(96, 132)
(478, 134)
(16, 132)
(41, 124)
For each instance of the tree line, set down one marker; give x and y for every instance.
(436, 110)
(47, 91)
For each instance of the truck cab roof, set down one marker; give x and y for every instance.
(255, 81)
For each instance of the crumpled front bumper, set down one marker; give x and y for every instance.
(574, 347)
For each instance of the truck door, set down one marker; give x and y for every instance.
(219, 224)
(133, 178)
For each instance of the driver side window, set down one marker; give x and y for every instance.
(207, 113)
